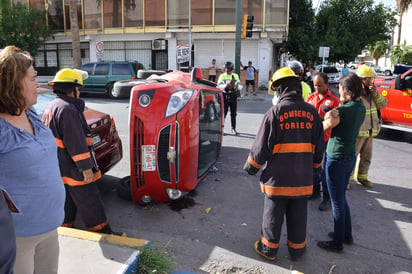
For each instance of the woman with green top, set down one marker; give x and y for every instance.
(344, 122)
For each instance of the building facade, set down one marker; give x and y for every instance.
(156, 33)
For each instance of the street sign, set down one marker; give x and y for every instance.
(183, 54)
(99, 51)
(324, 52)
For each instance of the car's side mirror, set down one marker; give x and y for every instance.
(398, 82)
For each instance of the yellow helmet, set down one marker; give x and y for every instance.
(280, 74)
(68, 75)
(364, 71)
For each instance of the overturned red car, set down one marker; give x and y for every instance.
(176, 128)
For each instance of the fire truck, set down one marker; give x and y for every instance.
(398, 90)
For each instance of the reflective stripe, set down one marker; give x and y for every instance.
(371, 111)
(73, 182)
(252, 162)
(267, 243)
(293, 148)
(59, 143)
(286, 190)
(89, 141)
(362, 176)
(82, 156)
(315, 165)
(296, 246)
(99, 226)
(70, 224)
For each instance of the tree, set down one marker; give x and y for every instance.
(347, 27)
(377, 50)
(403, 5)
(23, 27)
(302, 40)
(402, 54)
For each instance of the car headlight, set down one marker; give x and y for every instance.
(177, 101)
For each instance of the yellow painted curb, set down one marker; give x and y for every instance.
(103, 238)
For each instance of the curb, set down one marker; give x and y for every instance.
(129, 265)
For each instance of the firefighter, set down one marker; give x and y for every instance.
(229, 83)
(297, 68)
(290, 143)
(370, 128)
(78, 166)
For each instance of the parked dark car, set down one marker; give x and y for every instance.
(106, 141)
(121, 89)
(103, 75)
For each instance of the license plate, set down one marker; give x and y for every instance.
(96, 140)
(148, 157)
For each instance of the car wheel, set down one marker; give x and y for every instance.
(210, 112)
(388, 73)
(110, 91)
(123, 188)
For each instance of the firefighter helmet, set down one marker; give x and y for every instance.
(229, 65)
(69, 76)
(280, 74)
(364, 71)
(296, 66)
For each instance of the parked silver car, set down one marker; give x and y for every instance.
(331, 71)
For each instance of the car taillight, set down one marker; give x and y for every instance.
(113, 124)
(133, 78)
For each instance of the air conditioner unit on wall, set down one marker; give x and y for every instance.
(158, 44)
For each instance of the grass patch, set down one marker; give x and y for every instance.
(155, 259)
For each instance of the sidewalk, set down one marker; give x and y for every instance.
(88, 252)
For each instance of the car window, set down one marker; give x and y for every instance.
(330, 70)
(88, 68)
(102, 69)
(121, 69)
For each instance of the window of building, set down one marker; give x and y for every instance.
(177, 13)
(92, 15)
(154, 12)
(252, 7)
(276, 12)
(225, 12)
(55, 15)
(133, 13)
(67, 14)
(112, 10)
(202, 12)
(38, 4)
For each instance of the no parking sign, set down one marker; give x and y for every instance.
(99, 51)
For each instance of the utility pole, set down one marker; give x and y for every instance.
(190, 34)
(238, 35)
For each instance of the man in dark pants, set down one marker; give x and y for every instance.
(290, 143)
(229, 83)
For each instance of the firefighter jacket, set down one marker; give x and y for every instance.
(290, 142)
(64, 116)
(373, 103)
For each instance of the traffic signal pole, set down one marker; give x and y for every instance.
(238, 35)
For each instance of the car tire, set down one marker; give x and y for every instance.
(110, 91)
(123, 189)
(388, 73)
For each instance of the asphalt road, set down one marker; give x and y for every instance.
(221, 241)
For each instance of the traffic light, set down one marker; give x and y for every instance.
(247, 25)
